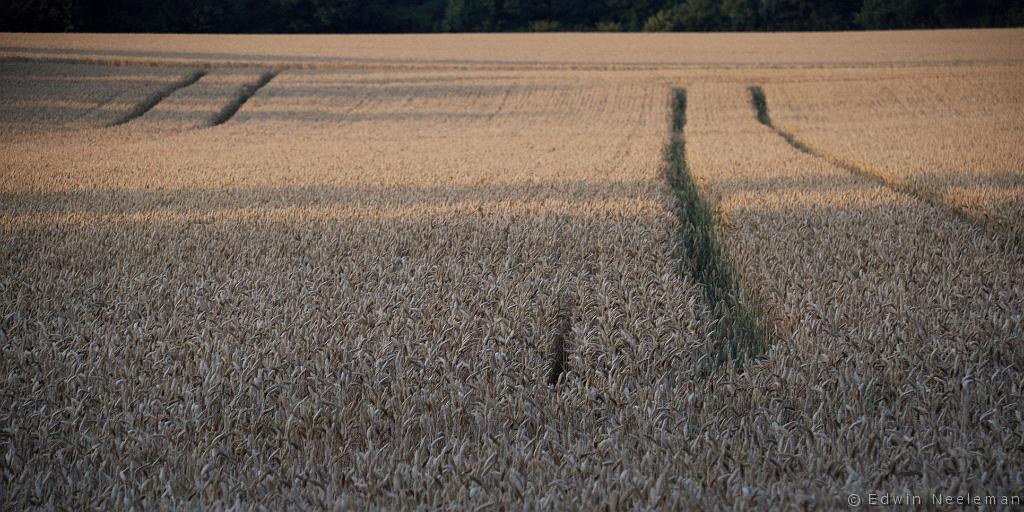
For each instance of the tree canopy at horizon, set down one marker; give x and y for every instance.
(422, 16)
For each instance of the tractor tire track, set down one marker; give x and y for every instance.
(740, 333)
(152, 100)
(244, 93)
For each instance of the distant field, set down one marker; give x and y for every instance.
(489, 51)
(310, 271)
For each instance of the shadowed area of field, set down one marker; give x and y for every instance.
(120, 201)
(59, 97)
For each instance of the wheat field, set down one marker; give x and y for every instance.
(570, 271)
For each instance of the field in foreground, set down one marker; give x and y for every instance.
(244, 270)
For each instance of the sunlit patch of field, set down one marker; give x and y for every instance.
(952, 136)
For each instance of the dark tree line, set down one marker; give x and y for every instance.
(348, 16)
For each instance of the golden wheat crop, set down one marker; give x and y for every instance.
(951, 136)
(359, 315)
(377, 286)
